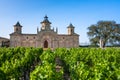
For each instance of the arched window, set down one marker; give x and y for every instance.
(16, 29)
(45, 44)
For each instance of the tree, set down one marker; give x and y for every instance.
(104, 32)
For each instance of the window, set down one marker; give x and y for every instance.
(45, 44)
(33, 37)
(16, 29)
(71, 30)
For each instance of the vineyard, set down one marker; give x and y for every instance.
(61, 64)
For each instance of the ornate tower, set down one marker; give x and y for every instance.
(17, 28)
(46, 24)
(70, 29)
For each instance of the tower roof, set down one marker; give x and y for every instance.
(46, 20)
(70, 26)
(18, 24)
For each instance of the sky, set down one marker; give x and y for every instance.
(81, 13)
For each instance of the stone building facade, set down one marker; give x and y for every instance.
(4, 42)
(45, 37)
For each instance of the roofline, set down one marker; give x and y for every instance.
(22, 34)
(17, 26)
(68, 34)
(28, 34)
(4, 38)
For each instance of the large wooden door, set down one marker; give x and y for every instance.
(45, 44)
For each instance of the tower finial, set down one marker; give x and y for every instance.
(18, 24)
(46, 17)
(70, 25)
(37, 29)
(56, 30)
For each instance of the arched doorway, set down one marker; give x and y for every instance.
(45, 44)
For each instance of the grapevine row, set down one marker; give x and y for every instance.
(61, 64)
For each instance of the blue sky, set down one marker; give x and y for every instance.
(81, 13)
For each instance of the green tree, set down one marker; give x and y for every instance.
(104, 32)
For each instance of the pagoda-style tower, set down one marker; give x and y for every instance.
(17, 28)
(70, 29)
(46, 24)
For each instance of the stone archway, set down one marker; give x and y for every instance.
(45, 44)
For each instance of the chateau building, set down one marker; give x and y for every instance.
(45, 37)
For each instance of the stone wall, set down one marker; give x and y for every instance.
(68, 41)
(23, 40)
(28, 40)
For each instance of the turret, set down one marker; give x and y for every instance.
(37, 29)
(17, 28)
(56, 30)
(46, 24)
(70, 29)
